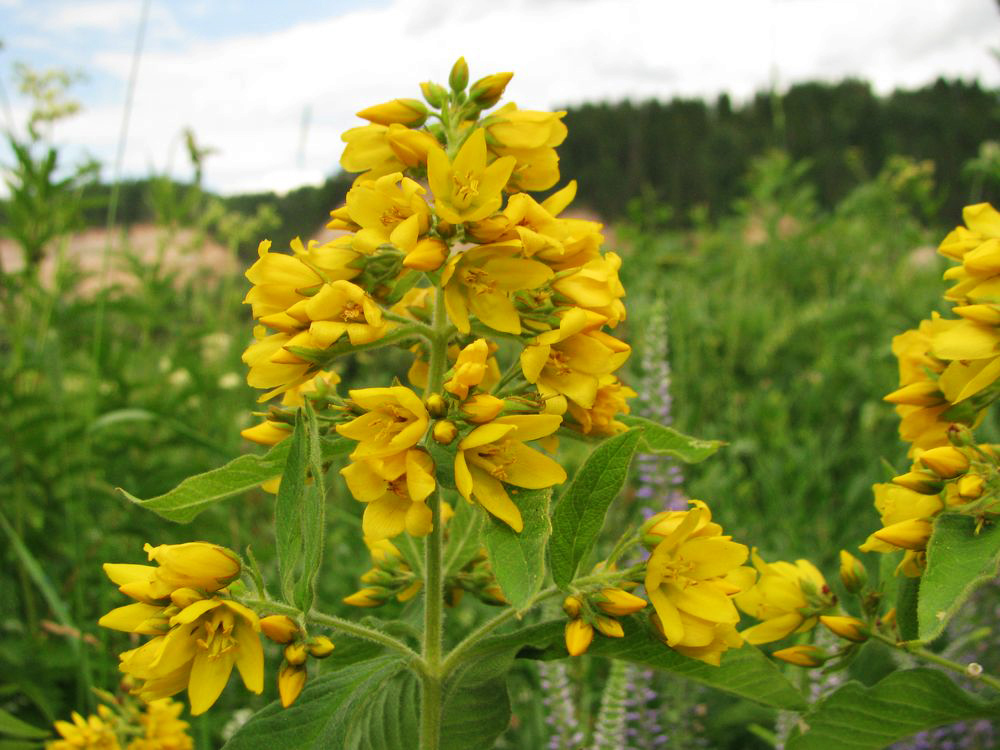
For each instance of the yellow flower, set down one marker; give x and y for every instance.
(530, 138)
(206, 639)
(395, 420)
(388, 210)
(337, 308)
(368, 151)
(596, 286)
(271, 432)
(466, 189)
(691, 578)
(609, 402)
(162, 729)
(905, 516)
(784, 599)
(92, 733)
(272, 365)
(469, 370)
(395, 489)
(494, 454)
(571, 360)
(480, 281)
(194, 565)
(704, 640)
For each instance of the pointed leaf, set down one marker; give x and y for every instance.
(658, 438)
(183, 503)
(288, 507)
(518, 558)
(858, 718)
(958, 561)
(579, 514)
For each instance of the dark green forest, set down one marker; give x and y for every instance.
(689, 153)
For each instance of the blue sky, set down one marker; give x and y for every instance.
(246, 75)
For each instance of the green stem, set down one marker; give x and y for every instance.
(431, 708)
(920, 652)
(345, 626)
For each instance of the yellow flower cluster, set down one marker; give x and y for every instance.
(199, 633)
(155, 726)
(948, 372)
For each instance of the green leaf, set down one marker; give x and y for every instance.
(313, 518)
(579, 514)
(463, 536)
(657, 438)
(183, 503)
(288, 507)
(745, 671)
(958, 562)
(858, 718)
(374, 705)
(907, 591)
(519, 558)
(12, 726)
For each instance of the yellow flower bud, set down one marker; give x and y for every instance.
(458, 79)
(427, 255)
(571, 606)
(320, 647)
(987, 314)
(971, 486)
(296, 653)
(367, 597)
(912, 534)
(436, 405)
(610, 627)
(482, 408)
(921, 393)
(852, 573)
(291, 680)
(487, 91)
(279, 628)
(802, 656)
(579, 635)
(185, 597)
(266, 433)
(435, 95)
(946, 461)
(444, 432)
(410, 112)
(850, 628)
(412, 590)
(923, 482)
(619, 603)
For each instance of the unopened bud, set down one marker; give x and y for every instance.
(367, 597)
(320, 647)
(619, 603)
(435, 95)
(279, 628)
(610, 627)
(971, 486)
(921, 393)
(571, 606)
(912, 534)
(444, 432)
(482, 408)
(427, 255)
(185, 597)
(946, 461)
(291, 680)
(850, 628)
(802, 656)
(852, 573)
(487, 91)
(436, 405)
(924, 482)
(296, 653)
(409, 112)
(579, 635)
(458, 79)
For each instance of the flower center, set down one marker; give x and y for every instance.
(477, 280)
(351, 312)
(218, 638)
(466, 187)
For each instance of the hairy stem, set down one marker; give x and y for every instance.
(917, 650)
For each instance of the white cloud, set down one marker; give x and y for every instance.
(247, 95)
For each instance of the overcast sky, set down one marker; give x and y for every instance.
(271, 85)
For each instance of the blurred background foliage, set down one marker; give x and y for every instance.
(789, 239)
